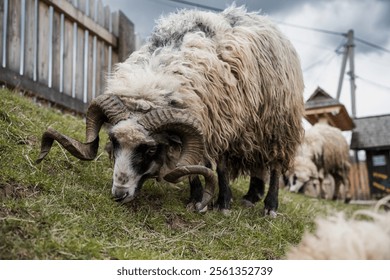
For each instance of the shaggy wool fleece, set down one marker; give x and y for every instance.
(341, 238)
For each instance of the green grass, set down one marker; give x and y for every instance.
(62, 208)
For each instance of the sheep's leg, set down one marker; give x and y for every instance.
(346, 195)
(337, 183)
(196, 191)
(225, 193)
(271, 200)
(255, 192)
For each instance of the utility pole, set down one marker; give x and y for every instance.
(348, 53)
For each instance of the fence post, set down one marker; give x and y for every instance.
(126, 38)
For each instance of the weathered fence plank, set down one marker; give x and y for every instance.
(89, 68)
(56, 61)
(107, 25)
(2, 26)
(30, 47)
(79, 64)
(93, 13)
(68, 56)
(43, 43)
(358, 177)
(13, 35)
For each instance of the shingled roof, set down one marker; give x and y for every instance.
(321, 105)
(371, 132)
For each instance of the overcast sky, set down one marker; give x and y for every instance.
(370, 20)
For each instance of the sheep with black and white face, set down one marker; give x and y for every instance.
(223, 88)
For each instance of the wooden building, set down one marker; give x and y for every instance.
(321, 107)
(372, 134)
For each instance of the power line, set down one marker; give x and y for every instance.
(334, 33)
(327, 56)
(316, 63)
(197, 5)
(373, 83)
(325, 67)
(372, 45)
(310, 28)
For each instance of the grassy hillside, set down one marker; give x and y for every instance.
(62, 208)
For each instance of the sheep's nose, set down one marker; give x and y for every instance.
(119, 193)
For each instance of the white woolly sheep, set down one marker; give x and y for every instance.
(328, 150)
(338, 237)
(223, 88)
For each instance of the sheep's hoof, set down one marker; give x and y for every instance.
(198, 207)
(246, 203)
(195, 206)
(271, 213)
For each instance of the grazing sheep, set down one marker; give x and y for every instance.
(338, 237)
(326, 148)
(220, 88)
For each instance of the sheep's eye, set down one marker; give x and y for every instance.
(151, 150)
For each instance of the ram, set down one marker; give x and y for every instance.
(222, 88)
(326, 148)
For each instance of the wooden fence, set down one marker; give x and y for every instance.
(61, 50)
(359, 184)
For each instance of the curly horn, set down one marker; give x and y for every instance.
(104, 108)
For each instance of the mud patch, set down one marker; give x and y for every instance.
(18, 191)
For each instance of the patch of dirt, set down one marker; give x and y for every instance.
(17, 191)
(175, 222)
